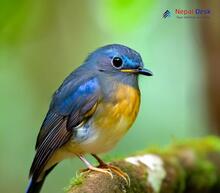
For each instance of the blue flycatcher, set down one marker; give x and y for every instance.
(90, 112)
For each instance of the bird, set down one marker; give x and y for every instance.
(90, 112)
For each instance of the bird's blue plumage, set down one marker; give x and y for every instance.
(75, 102)
(70, 99)
(70, 102)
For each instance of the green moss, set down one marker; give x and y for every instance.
(204, 145)
(201, 145)
(203, 175)
(75, 181)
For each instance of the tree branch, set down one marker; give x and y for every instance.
(190, 167)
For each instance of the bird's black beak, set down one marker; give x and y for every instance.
(138, 71)
(145, 72)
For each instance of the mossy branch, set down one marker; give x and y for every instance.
(189, 167)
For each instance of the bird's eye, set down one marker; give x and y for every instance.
(117, 62)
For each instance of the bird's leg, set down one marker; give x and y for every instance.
(101, 162)
(92, 168)
(114, 169)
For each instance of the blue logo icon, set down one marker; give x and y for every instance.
(166, 14)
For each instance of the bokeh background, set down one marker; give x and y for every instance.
(42, 41)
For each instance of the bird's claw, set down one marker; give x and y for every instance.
(109, 169)
(118, 172)
(102, 170)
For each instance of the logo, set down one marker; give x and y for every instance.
(166, 14)
(192, 13)
(187, 13)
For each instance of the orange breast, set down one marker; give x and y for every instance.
(121, 111)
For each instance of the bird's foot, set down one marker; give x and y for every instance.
(117, 171)
(90, 167)
(114, 169)
(97, 169)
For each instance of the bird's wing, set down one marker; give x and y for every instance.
(71, 105)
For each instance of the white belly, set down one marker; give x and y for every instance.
(101, 140)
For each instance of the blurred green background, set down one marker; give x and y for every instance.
(42, 41)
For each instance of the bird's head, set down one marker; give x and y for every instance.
(117, 61)
(118, 58)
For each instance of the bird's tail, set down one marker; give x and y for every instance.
(34, 185)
